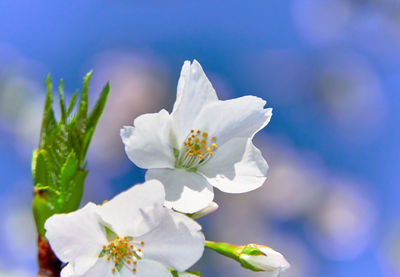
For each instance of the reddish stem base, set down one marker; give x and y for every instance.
(49, 264)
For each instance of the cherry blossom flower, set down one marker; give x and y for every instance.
(203, 143)
(131, 235)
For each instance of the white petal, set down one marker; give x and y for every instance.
(147, 143)
(76, 236)
(275, 259)
(136, 210)
(187, 192)
(67, 271)
(177, 242)
(149, 268)
(194, 93)
(102, 268)
(236, 167)
(239, 117)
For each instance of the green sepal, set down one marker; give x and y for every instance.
(246, 265)
(251, 250)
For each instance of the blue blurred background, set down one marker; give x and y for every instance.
(330, 69)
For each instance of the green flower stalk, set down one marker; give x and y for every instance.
(58, 164)
(252, 256)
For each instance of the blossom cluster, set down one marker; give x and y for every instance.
(149, 230)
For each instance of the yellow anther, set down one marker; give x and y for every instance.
(214, 146)
(192, 131)
(201, 157)
(134, 269)
(213, 138)
(205, 135)
(113, 270)
(204, 141)
(197, 140)
(208, 149)
(134, 262)
(190, 154)
(142, 242)
(128, 261)
(198, 131)
(210, 153)
(193, 136)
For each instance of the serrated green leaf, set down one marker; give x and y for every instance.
(73, 196)
(48, 122)
(86, 142)
(61, 100)
(98, 108)
(83, 103)
(72, 103)
(68, 171)
(41, 173)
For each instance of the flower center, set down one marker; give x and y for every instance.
(123, 252)
(197, 149)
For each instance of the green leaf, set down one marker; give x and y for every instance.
(61, 99)
(83, 103)
(48, 122)
(97, 110)
(86, 142)
(40, 170)
(72, 103)
(68, 171)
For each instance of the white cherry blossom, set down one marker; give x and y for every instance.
(204, 143)
(131, 235)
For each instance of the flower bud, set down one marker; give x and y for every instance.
(262, 258)
(253, 256)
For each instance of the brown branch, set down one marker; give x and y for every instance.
(49, 264)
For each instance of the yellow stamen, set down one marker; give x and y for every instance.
(214, 146)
